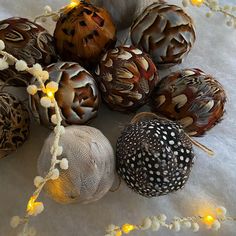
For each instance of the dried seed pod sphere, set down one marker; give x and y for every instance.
(91, 166)
(154, 157)
(164, 31)
(191, 97)
(27, 41)
(77, 96)
(14, 124)
(83, 33)
(126, 77)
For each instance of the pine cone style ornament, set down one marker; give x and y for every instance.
(126, 77)
(191, 97)
(83, 33)
(164, 31)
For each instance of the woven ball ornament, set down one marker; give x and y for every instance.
(26, 41)
(191, 97)
(14, 124)
(77, 96)
(84, 33)
(91, 166)
(126, 77)
(164, 31)
(154, 157)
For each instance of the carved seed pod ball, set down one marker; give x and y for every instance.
(191, 97)
(91, 166)
(78, 96)
(154, 157)
(83, 33)
(26, 41)
(126, 77)
(164, 31)
(14, 124)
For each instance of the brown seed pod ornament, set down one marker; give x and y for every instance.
(191, 97)
(164, 31)
(83, 33)
(77, 96)
(154, 157)
(126, 77)
(26, 41)
(91, 169)
(14, 124)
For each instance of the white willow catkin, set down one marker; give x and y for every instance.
(91, 165)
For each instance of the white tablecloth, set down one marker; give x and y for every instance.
(212, 181)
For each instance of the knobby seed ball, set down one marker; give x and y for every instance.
(164, 31)
(191, 97)
(126, 77)
(26, 41)
(154, 157)
(77, 97)
(83, 33)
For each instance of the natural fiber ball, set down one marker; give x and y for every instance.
(14, 124)
(84, 33)
(77, 96)
(191, 97)
(154, 157)
(91, 166)
(126, 77)
(119, 10)
(164, 31)
(29, 42)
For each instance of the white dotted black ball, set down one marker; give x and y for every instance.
(154, 157)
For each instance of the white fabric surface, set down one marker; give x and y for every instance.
(212, 180)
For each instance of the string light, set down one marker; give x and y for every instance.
(208, 220)
(197, 2)
(127, 228)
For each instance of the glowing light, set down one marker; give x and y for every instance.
(50, 94)
(197, 2)
(127, 228)
(31, 204)
(73, 3)
(208, 220)
(118, 233)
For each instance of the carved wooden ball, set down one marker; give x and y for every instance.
(26, 41)
(154, 157)
(84, 33)
(78, 96)
(126, 77)
(14, 124)
(164, 31)
(191, 97)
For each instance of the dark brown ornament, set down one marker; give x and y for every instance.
(26, 41)
(84, 33)
(14, 124)
(77, 96)
(191, 97)
(126, 77)
(164, 31)
(154, 157)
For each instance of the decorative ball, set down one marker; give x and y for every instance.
(14, 124)
(191, 97)
(119, 10)
(126, 77)
(77, 96)
(26, 41)
(154, 157)
(164, 31)
(84, 33)
(91, 166)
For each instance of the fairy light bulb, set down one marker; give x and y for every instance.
(127, 228)
(208, 220)
(73, 3)
(30, 205)
(50, 94)
(197, 2)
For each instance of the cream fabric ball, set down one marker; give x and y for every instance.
(91, 165)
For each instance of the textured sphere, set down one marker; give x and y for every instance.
(126, 77)
(77, 96)
(14, 124)
(191, 97)
(164, 31)
(154, 157)
(26, 41)
(91, 166)
(83, 33)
